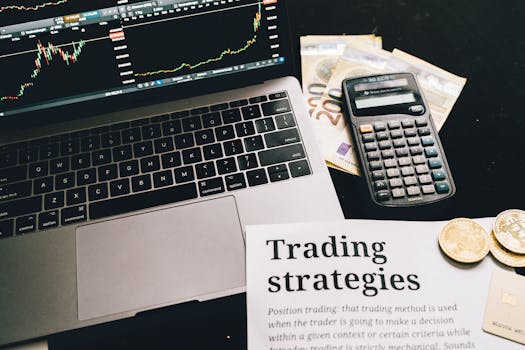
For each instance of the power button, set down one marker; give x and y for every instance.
(417, 109)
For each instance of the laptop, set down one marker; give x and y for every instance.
(138, 138)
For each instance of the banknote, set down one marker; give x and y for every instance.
(329, 122)
(440, 87)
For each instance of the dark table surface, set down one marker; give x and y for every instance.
(484, 140)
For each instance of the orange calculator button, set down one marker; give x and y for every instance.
(366, 128)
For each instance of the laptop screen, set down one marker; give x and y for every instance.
(56, 53)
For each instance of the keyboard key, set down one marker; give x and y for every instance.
(26, 224)
(379, 126)
(160, 118)
(119, 126)
(63, 181)
(13, 174)
(219, 107)
(211, 120)
(98, 191)
(122, 153)
(239, 103)
(140, 122)
(422, 169)
(276, 107)
(423, 131)
(212, 151)
(264, 125)
(375, 165)
(256, 177)
(191, 124)
(247, 161)
(141, 183)
(142, 149)
(6, 228)
(395, 182)
(278, 172)
(284, 121)
(143, 200)
(119, 187)
(164, 145)
(378, 175)
(425, 179)
(233, 147)
(410, 181)
(54, 200)
(129, 168)
(15, 190)
(90, 143)
(28, 155)
(381, 136)
(76, 196)
(258, 99)
(162, 179)
(79, 161)
(200, 110)
(235, 181)
(192, 155)
(48, 220)
(438, 175)
(150, 164)
(282, 154)
(399, 143)
(380, 185)
(225, 133)
(428, 189)
(180, 114)
(107, 172)
(171, 160)
(73, 215)
(184, 141)
(392, 173)
(383, 196)
(413, 191)
(99, 130)
(281, 138)
(427, 141)
(211, 186)
(231, 116)
(46, 152)
(226, 165)
(398, 193)
(245, 129)
(184, 174)
(253, 143)
(299, 168)
(131, 135)
(387, 154)
(20, 207)
(204, 137)
(204, 170)
(442, 187)
(278, 95)
(251, 112)
(100, 157)
(110, 140)
(171, 127)
(431, 152)
(43, 185)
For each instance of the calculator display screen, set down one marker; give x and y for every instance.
(378, 101)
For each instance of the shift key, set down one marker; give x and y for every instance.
(281, 154)
(20, 207)
(281, 138)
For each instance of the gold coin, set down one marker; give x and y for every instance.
(509, 229)
(464, 240)
(503, 255)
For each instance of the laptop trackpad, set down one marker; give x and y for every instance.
(159, 257)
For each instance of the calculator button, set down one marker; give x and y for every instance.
(419, 160)
(425, 179)
(427, 141)
(394, 124)
(398, 192)
(410, 181)
(373, 156)
(380, 136)
(370, 147)
(404, 161)
(379, 126)
(410, 132)
(387, 154)
(390, 163)
(382, 196)
(380, 185)
(407, 171)
(396, 134)
(368, 138)
(427, 189)
(385, 145)
(421, 121)
(417, 109)
(399, 143)
(413, 191)
(375, 165)
(422, 169)
(396, 183)
(434, 163)
(378, 175)
(407, 124)
(416, 150)
(438, 175)
(431, 152)
(413, 141)
(392, 173)
(423, 131)
(365, 128)
(442, 187)
(402, 152)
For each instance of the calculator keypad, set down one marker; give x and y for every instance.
(403, 160)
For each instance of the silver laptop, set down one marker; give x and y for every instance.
(138, 138)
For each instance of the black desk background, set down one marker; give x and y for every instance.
(484, 139)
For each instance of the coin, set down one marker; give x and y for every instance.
(503, 255)
(509, 229)
(464, 240)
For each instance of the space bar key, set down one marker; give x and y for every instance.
(140, 201)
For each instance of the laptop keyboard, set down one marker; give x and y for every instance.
(123, 167)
